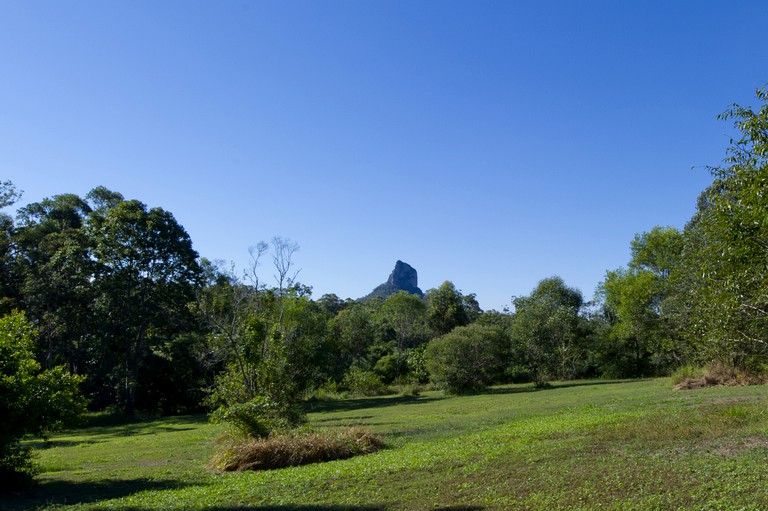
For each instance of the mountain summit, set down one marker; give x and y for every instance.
(402, 278)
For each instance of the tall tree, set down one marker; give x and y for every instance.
(546, 333)
(9, 194)
(270, 340)
(405, 314)
(638, 302)
(9, 285)
(727, 245)
(446, 309)
(352, 333)
(146, 275)
(56, 268)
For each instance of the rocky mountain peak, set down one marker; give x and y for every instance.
(403, 278)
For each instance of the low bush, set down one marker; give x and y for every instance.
(329, 392)
(365, 383)
(259, 417)
(16, 467)
(687, 372)
(280, 451)
(410, 389)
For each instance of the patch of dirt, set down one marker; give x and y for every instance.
(735, 447)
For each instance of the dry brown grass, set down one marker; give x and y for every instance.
(721, 375)
(290, 450)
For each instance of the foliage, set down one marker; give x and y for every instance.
(174, 377)
(33, 401)
(467, 359)
(404, 313)
(639, 304)
(9, 285)
(268, 339)
(351, 334)
(548, 335)
(417, 365)
(9, 194)
(726, 239)
(146, 269)
(392, 366)
(364, 383)
(446, 309)
(657, 251)
(259, 417)
(56, 270)
(107, 282)
(118, 294)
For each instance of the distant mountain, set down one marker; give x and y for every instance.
(402, 278)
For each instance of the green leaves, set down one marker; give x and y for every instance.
(32, 400)
(545, 333)
(727, 247)
(468, 358)
(446, 308)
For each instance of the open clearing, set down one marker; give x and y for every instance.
(578, 445)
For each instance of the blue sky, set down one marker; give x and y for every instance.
(490, 143)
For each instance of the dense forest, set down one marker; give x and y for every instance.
(107, 295)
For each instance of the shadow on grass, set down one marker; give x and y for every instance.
(288, 507)
(366, 402)
(345, 405)
(105, 427)
(309, 507)
(554, 386)
(47, 444)
(101, 419)
(49, 493)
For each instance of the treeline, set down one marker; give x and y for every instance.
(117, 294)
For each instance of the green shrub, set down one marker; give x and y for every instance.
(33, 401)
(687, 372)
(330, 391)
(467, 359)
(364, 383)
(409, 389)
(519, 373)
(259, 417)
(391, 366)
(417, 367)
(16, 467)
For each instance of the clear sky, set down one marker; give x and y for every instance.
(490, 143)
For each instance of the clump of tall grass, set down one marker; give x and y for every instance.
(716, 374)
(292, 449)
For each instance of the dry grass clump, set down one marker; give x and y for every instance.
(280, 451)
(716, 374)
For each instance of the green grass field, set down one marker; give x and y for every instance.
(583, 445)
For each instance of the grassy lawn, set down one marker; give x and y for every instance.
(584, 445)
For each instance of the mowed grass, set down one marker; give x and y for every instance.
(584, 445)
